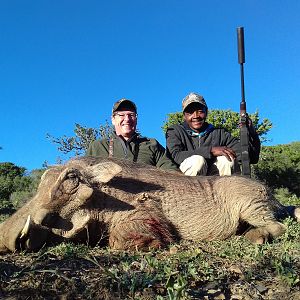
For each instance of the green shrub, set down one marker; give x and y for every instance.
(279, 167)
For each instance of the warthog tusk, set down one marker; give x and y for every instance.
(25, 229)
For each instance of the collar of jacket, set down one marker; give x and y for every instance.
(207, 128)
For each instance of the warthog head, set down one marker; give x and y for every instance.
(58, 210)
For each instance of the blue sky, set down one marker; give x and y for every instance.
(66, 62)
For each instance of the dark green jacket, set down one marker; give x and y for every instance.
(138, 149)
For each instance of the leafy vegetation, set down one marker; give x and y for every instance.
(83, 136)
(16, 187)
(11, 179)
(279, 167)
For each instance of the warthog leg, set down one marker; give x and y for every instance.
(261, 235)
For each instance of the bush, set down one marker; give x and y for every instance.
(16, 187)
(279, 167)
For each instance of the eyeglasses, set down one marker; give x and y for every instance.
(123, 116)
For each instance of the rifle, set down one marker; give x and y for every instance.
(244, 135)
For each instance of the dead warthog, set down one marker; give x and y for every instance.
(128, 205)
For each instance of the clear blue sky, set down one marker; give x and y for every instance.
(66, 62)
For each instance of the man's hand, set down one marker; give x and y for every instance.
(223, 151)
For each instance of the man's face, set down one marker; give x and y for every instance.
(125, 121)
(195, 115)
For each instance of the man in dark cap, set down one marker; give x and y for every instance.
(198, 148)
(126, 143)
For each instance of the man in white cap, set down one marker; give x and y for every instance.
(126, 143)
(198, 148)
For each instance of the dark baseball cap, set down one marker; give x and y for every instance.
(124, 103)
(193, 98)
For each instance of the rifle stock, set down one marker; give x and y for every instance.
(244, 137)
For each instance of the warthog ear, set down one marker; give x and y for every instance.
(104, 172)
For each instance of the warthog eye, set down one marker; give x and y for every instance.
(71, 182)
(71, 175)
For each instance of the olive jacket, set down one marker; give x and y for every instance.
(138, 149)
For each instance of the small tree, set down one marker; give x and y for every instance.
(79, 143)
(227, 119)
